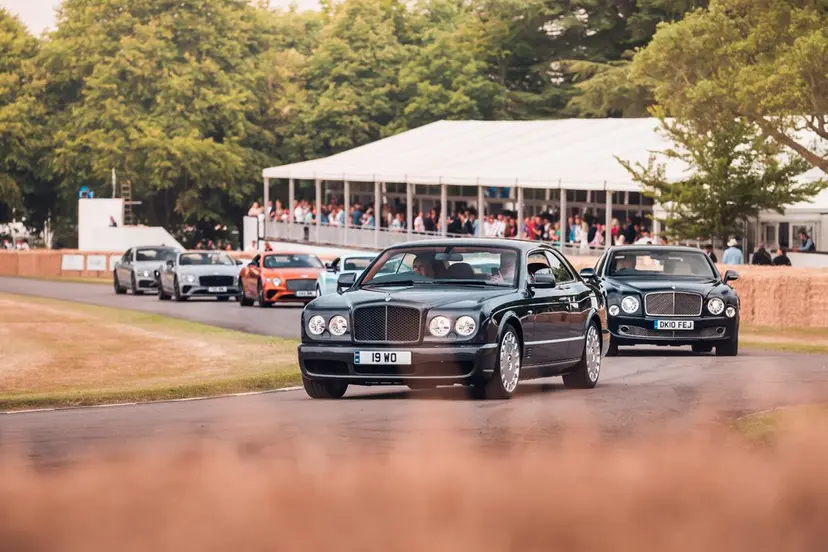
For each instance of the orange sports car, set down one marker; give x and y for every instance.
(273, 277)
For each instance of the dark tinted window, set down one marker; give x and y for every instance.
(154, 254)
(292, 261)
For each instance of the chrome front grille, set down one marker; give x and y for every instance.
(387, 324)
(301, 285)
(672, 303)
(650, 333)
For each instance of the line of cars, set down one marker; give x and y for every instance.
(490, 313)
(266, 279)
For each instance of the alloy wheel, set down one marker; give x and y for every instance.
(509, 361)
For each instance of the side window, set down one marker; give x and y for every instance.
(127, 256)
(537, 263)
(559, 269)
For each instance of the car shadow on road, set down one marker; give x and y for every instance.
(459, 393)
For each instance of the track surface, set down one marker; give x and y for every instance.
(279, 321)
(660, 390)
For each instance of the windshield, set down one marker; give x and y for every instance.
(356, 263)
(662, 263)
(155, 254)
(292, 261)
(206, 258)
(445, 264)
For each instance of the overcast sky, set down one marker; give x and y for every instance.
(39, 15)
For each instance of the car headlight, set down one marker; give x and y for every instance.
(439, 326)
(316, 325)
(730, 312)
(465, 326)
(629, 304)
(274, 281)
(715, 306)
(614, 310)
(338, 325)
(145, 274)
(190, 278)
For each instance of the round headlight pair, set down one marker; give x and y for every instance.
(338, 325)
(440, 326)
(629, 304)
(715, 306)
(614, 310)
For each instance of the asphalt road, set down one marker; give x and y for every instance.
(279, 320)
(643, 391)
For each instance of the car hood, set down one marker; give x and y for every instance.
(428, 297)
(205, 270)
(642, 286)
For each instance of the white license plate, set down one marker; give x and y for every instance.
(674, 324)
(306, 294)
(382, 357)
(220, 289)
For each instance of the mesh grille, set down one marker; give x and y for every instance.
(216, 281)
(673, 304)
(387, 324)
(638, 331)
(301, 285)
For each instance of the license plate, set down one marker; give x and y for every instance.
(306, 294)
(382, 357)
(674, 324)
(219, 289)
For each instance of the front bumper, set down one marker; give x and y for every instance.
(195, 290)
(443, 365)
(146, 283)
(274, 294)
(632, 330)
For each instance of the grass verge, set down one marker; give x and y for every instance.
(792, 340)
(70, 279)
(58, 353)
(765, 426)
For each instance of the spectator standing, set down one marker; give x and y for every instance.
(761, 257)
(732, 255)
(708, 249)
(781, 258)
(806, 244)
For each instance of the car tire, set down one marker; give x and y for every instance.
(729, 347)
(612, 350)
(162, 295)
(243, 300)
(702, 348)
(260, 296)
(588, 369)
(324, 389)
(506, 375)
(134, 285)
(177, 291)
(117, 285)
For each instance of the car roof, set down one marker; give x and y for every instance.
(522, 245)
(645, 247)
(271, 253)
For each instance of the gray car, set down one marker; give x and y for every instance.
(199, 274)
(135, 271)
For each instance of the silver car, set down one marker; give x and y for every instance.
(199, 274)
(135, 271)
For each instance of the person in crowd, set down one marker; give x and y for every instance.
(598, 237)
(732, 255)
(781, 258)
(419, 223)
(761, 257)
(708, 249)
(430, 222)
(806, 244)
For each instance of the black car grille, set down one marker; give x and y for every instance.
(301, 285)
(213, 281)
(650, 333)
(673, 303)
(387, 324)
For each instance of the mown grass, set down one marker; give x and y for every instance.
(766, 426)
(59, 353)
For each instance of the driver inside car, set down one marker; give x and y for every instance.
(507, 269)
(422, 266)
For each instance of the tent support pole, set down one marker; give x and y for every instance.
(266, 196)
(481, 210)
(443, 209)
(347, 217)
(409, 207)
(291, 207)
(520, 214)
(377, 215)
(607, 218)
(563, 219)
(318, 193)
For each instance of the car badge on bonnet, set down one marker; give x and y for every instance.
(387, 297)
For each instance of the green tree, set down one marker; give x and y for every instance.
(18, 178)
(737, 172)
(765, 61)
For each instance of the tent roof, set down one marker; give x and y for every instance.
(566, 153)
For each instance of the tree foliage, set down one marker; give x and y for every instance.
(764, 61)
(737, 172)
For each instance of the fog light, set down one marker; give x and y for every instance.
(614, 310)
(730, 312)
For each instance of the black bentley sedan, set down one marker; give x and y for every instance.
(665, 295)
(484, 313)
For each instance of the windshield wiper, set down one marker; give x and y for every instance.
(471, 282)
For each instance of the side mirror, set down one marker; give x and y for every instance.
(730, 275)
(330, 267)
(543, 281)
(345, 281)
(587, 273)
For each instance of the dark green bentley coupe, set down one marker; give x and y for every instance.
(485, 313)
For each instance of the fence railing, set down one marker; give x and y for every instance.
(370, 238)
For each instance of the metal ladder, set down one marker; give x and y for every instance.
(126, 194)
